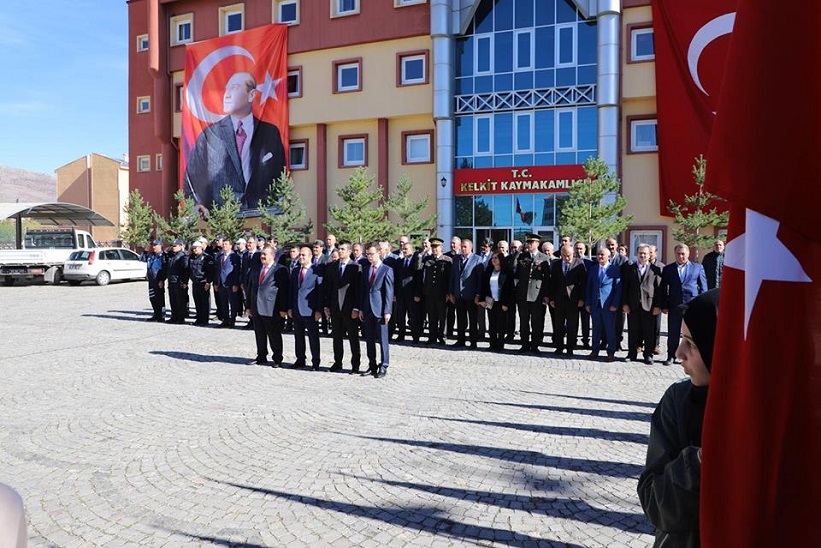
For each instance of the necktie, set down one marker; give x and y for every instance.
(301, 275)
(224, 257)
(262, 274)
(373, 274)
(341, 268)
(681, 272)
(566, 267)
(240, 137)
(407, 262)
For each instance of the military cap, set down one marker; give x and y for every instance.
(436, 241)
(533, 238)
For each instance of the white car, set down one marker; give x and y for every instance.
(103, 265)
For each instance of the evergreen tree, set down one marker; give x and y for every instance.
(362, 216)
(139, 222)
(285, 213)
(182, 223)
(408, 211)
(695, 214)
(225, 219)
(592, 210)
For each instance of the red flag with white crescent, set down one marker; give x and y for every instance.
(691, 39)
(761, 471)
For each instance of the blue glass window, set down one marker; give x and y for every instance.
(464, 86)
(524, 80)
(566, 45)
(464, 210)
(524, 132)
(545, 214)
(503, 133)
(588, 128)
(565, 11)
(483, 210)
(524, 49)
(545, 47)
(483, 20)
(524, 13)
(504, 52)
(545, 79)
(642, 47)
(287, 13)
(503, 210)
(483, 84)
(464, 136)
(565, 128)
(504, 82)
(503, 14)
(545, 14)
(566, 158)
(566, 77)
(523, 160)
(482, 136)
(545, 160)
(464, 55)
(524, 210)
(503, 160)
(588, 40)
(587, 75)
(483, 161)
(544, 130)
(483, 52)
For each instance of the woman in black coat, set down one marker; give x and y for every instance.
(497, 298)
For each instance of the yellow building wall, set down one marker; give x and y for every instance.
(423, 176)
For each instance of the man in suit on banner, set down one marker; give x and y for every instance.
(267, 304)
(375, 308)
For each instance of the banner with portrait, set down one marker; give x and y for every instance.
(235, 116)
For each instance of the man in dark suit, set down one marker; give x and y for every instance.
(681, 282)
(533, 275)
(713, 264)
(580, 250)
(450, 308)
(640, 282)
(341, 287)
(305, 308)
(620, 261)
(465, 289)
(227, 270)
(566, 294)
(436, 272)
(375, 308)
(178, 282)
(602, 300)
(239, 152)
(407, 281)
(267, 304)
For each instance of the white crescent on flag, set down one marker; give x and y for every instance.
(713, 29)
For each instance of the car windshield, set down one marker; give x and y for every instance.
(79, 256)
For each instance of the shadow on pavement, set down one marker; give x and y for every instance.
(526, 456)
(202, 358)
(220, 541)
(588, 398)
(604, 413)
(631, 437)
(416, 518)
(113, 317)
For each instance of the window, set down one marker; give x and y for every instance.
(641, 44)
(353, 150)
(566, 45)
(231, 19)
(483, 59)
(143, 104)
(523, 132)
(298, 154)
(142, 42)
(523, 50)
(158, 162)
(482, 132)
(650, 235)
(417, 147)
(342, 8)
(643, 135)
(287, 12)
(347, 75)
(143, 163)
(403, 3)
(178, 97)
(295, 82)
(182, 29)
(413, 68)
(565, 130)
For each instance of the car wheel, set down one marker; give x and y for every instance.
(58, 277)
(8, 280)
(74, 282)
(103, 277)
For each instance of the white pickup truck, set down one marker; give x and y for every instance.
(44, 253)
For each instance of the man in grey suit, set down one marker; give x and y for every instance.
(267, 305)
(375, 308)
(465, 288)
(640, 282)
(305, 307)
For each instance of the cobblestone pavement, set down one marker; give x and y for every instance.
(119, 432)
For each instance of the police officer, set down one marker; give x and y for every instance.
(156, 273)
(200, 274)
(436, 269)
(178, 282)
(533, 275)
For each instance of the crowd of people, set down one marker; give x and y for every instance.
(352, 290)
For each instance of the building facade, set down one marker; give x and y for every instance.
(489, 106)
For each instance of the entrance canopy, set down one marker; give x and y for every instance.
(53, 213)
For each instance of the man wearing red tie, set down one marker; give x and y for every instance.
(305, 308)
(375, 309)
(267, 305)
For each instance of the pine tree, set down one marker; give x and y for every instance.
(592, 210)
(182, 223)
(285, 213)
(224, 219)
(694, 214)
(408, 211)
(362, 216)
(139, 221)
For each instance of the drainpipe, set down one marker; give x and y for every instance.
(608, 25)
(444, 71)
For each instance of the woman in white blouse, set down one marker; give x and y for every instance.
(497, 298)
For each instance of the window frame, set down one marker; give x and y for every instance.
(158, 161)
(632, 123)
(532, 64)
(147, 100)
(574, 132)
(477, 38)
(177, 21)
(634, 30)
(336, 10)
(403, 56)
(297, 71)
(637, 234)
(140, 39)
(225, 12)
(342, 161)
(406, 3)
(575, 41)
(476, 151)
(296, 143)
(141, 167)
(531, 132)
(406, 136)
(179, 97)
(277, 11)
(341, 64)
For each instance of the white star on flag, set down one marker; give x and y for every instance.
(762, 256)
(268, 88)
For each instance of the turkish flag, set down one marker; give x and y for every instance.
(761, 472)
(691, 40)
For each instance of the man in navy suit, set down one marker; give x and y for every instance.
(240, 152)
(408, 281)
(341, 287)
(267, 305)
(465, 289)
(566, 294)
(305, 307)
(375, 309)
(227, 272)
(602, 300)
(681, 282)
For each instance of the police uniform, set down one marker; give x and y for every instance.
(178, 284)
(156, 273)
(200, 274)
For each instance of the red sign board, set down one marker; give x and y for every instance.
(517, 180)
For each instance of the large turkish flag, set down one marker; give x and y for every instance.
(761, 475)
(691, 40)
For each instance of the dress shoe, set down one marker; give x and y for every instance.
(629, 359)
(524, 348)
(610, 358)
(354, 371)
(152, 319)
(569, 352)
(336, 367)
(223, 325)
(370, 371)
(458, 344)
(648, 361)
(594, 355)
(315, 367)
(259, 361)
(441, 341)
(276, 364)
(381, 372)
(400, 338)
(669, 361)
(560, 351)
(298, 365)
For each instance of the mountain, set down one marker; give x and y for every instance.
(26, 186)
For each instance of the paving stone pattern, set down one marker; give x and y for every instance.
(119, 432)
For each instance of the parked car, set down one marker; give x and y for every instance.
(103, 265)
(44, 254)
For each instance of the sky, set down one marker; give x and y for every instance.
(64, 83)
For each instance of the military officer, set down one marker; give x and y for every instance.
(436, 270)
